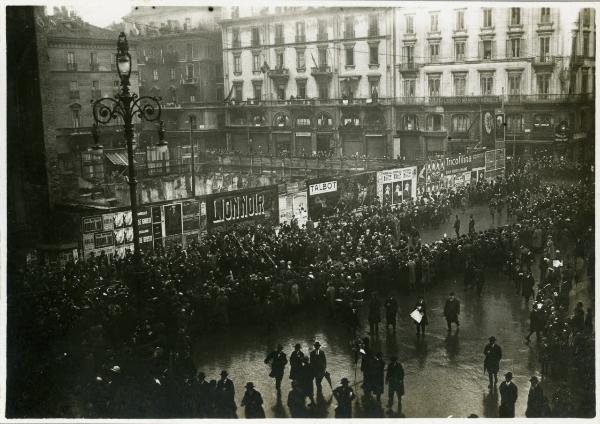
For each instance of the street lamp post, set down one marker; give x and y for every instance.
(126, 106)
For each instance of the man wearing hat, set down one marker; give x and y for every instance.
(535, 399)
(252, 402)
(203, 395)
(278, 360)
(295, 401)
(395, 381)
(491, 363)
(344, 395)
(508, 397)
(296, 361)
(225, 397)
(451, 311)
(391, 310)
(318, 364)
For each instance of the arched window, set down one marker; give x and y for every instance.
(303, 121)
(351, 119)
(460, 123)
(514, 123)
(434, 122)
(324, 120)
(258, 119)
(281, 120)
(238, 117)
(410, 123)
(543, 121)
(375, 119)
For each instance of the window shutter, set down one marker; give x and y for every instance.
(493, 49)
(508, 49)
(480, 50)
(523, 47)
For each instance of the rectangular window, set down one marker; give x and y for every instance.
(237, 64)
(189, 71)
(322, 57)
(188, 24)
(460, 20)
(586, 44)
(192, 98)
(545, 15)
(301, 89)
(459, 50)
(279, 34)
(238, 92)
(543, 82)
(256, 62)
(280, 92)
(515, 16)
(584, 80)
(95, 85)
(373, 25)
(486, 49)
(349, 27)
(172, 73)
(189, 51)
(514, 47)
(410, 24)
(349, 56)
(71, 65)
(514, 84)
(257, 91)
(514, 123)
(322, 29)
(300, 59)
(93, 61)
(374, 89)
(323, 91)
(487, 85)
(408, 54)
(255, 37)
(73, 90)
(155, 74)
(409, 87)
(279, 60)
(374, 54)
(460, 85)
(300, 34)
(433, 22)
(75, 118)
(586, 17)
(434, 85)
(235, 42)
(544, 48)
(434, 53)
(487, 18)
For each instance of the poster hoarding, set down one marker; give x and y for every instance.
(397, 185)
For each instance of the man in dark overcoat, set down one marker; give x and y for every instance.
(344, 395)
(508, 397)
(225, 397)
(491, 363)
(318, 364)
(296, 361)
(278, 361)
(451, 311)
(395, 381)
(535, 399)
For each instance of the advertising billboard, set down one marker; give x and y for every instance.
(397, 185)
(323, 197)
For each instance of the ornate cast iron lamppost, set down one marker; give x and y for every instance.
(127, 106)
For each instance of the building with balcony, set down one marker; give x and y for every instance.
(462, 65)
(308, 79)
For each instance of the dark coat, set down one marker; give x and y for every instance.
(452, 308)
(493, 354)
(295, 364)
(305, 377)
(391, 309)
(508, 398)
(204, 399)
(395, 377)
(344, 395)
(296, 404)
(374, 311)
(278, 361)
(318, 363)
(252, 402)
(535, 402)
(225, 396)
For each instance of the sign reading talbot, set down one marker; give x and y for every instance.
(324, 187)
(243, 205)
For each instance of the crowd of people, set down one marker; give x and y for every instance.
(95, 313)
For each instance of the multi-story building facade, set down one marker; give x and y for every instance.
(303, 80)
(179, 55)
(410, 81)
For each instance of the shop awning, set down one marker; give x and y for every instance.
(117, 158)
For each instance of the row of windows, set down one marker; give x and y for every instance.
(300, 32)
(461, 123)
(190, 72)
(486, 22)
(323, 120)
(192, 51)
(94, 64)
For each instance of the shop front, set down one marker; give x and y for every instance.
(352, 143)
(376, 147)
(303, 143)
(282, 142)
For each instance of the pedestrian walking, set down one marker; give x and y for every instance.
(203, 396)
(508, 397)
(527, 287)
(225, 397)
(344, 395)
(374, 315)
(305, 380)
(536, 322)
(471, 225)
(376, 373)
(278, 361)
(395, 381)
(252, 402)
(479, 279)
(491, 363)
(421, 307)
(391, 310)
(451, 311)
(296, 361)
(318, 364)
(457, 227)
(296, 401)
(535, 400)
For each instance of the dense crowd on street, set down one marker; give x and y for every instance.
(96, 313)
